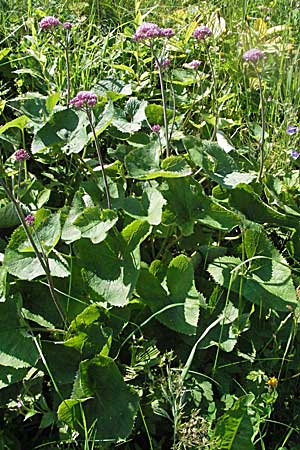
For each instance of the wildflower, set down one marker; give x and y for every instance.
(155, 128)
(67, 25)
(21, 155)
(295, 154)
(163, 63)
(147, 30)
(253, 55)
(30, 219)
(195, 64)
(202, 32)
(272, 382)
(291, 129)
(167, 32)
(84, 98)
(49, 22)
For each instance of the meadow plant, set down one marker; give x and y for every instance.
(253, 57)
(148, 33)
(86, 100)
(52, 24)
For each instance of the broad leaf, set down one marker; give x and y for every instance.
(100, 381)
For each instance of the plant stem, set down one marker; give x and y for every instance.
(66, 48)
(89, 114)
(215, 105)
(164, 105)
(263, 127)
(41, 256)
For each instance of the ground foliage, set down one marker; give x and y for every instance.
(175, 324)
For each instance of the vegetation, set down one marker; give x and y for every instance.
(149, 225)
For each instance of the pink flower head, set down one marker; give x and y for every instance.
(30, 219)
(163, 63)
(84, 98)
(253, 55)
(167, 32)
(21, 155)
(49, 22)
(155, 128)
(195, 64)
(147, 30)
(295, 154)
(67, 25)
(202, 32)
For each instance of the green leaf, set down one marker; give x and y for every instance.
(19, 122)
(265, 280)
(94, 223)
(66, 129)
(148, 208)
(17, 348)
(181, 287)
(100, 382)
(223, 169)
(143, 163)
(8, 216)
(130, 120)
(111, 267)
(106, 118)
(3, 274)
(187, 204)
(86, 333)
(234, 429)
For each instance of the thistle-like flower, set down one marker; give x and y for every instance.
(253, 55)
(202, 32)
(67, 25)
(49, 22)
(84, 98)
(163, 63)
(21, 155)
(30, 219)
(155, 128)
(150, 30)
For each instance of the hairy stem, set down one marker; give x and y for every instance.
(263, 127)
(89, 114)
(66, 48)
(41, 256)
(215, 97)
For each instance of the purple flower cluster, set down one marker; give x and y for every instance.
(84, 98)
(67, 25)
(49, 22)
(202, 32)
(163, 63)
(194, 65)
(30, 219)
(253, 55)
(155, 128)
(21, 155)
(149, 30)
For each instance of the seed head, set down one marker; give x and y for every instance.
(30, 219)
(21, 155)
(253, 55)
(84, 98)
(202, 32)
(49, 22)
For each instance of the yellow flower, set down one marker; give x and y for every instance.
(273, 382)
